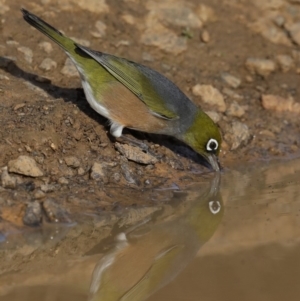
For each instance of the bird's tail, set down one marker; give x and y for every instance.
(66, 43)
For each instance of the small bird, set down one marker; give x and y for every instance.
(134, 96)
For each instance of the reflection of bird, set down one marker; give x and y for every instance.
(134, 96)
(148, 258)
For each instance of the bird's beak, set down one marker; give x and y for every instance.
(214, 162)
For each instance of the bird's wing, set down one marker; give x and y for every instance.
(153, 278)
(132, 78)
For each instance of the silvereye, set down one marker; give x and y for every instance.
(134, 96)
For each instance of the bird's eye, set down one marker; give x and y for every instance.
(212, 145)
(214, 207)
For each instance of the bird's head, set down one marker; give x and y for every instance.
(205, 138)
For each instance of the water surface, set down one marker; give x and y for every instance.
(235, 238)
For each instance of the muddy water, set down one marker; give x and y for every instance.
(232, 238)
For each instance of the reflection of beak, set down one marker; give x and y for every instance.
(214, 162)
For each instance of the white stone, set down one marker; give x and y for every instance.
(280, 104)
(262, 67)
(210, 95)
(231, 80)
(26, 166)
(285, 62)
(235, 110)
(28, 54)
(46, 46)
(48, 64)
(7, 180)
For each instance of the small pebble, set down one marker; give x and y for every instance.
(39, 194)
(72, 161)
(48, 188)
(135, 154)
(122, 43)
(285, 62)
(162, 37)
(205, 13)
(100, 30)
(80, 171)
(235, 110)
(238, 134)
(42, 79)
(280, 104)
(128, 174)
(12, 43)
(53, 146)
(26, 166)
(210, 95)
(19, 106)
(149, 167)
(33, 214)
(48, 64)
(260, 88)
(232, 94)
(294, 148)
(205, 37)
(129, 19)
(55, 212)
(28, 54)
(63, 181)
(98, 172)
(262, 67)
(3, 77)
(267, 133)
(230, 80)
(7, 180)
(46, 46)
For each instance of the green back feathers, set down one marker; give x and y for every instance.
(131, 77)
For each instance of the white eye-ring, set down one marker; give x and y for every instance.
(212, 145)
(214, 207)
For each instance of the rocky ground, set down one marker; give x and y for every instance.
(239, 61)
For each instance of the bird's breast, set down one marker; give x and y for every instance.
(116, 102)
